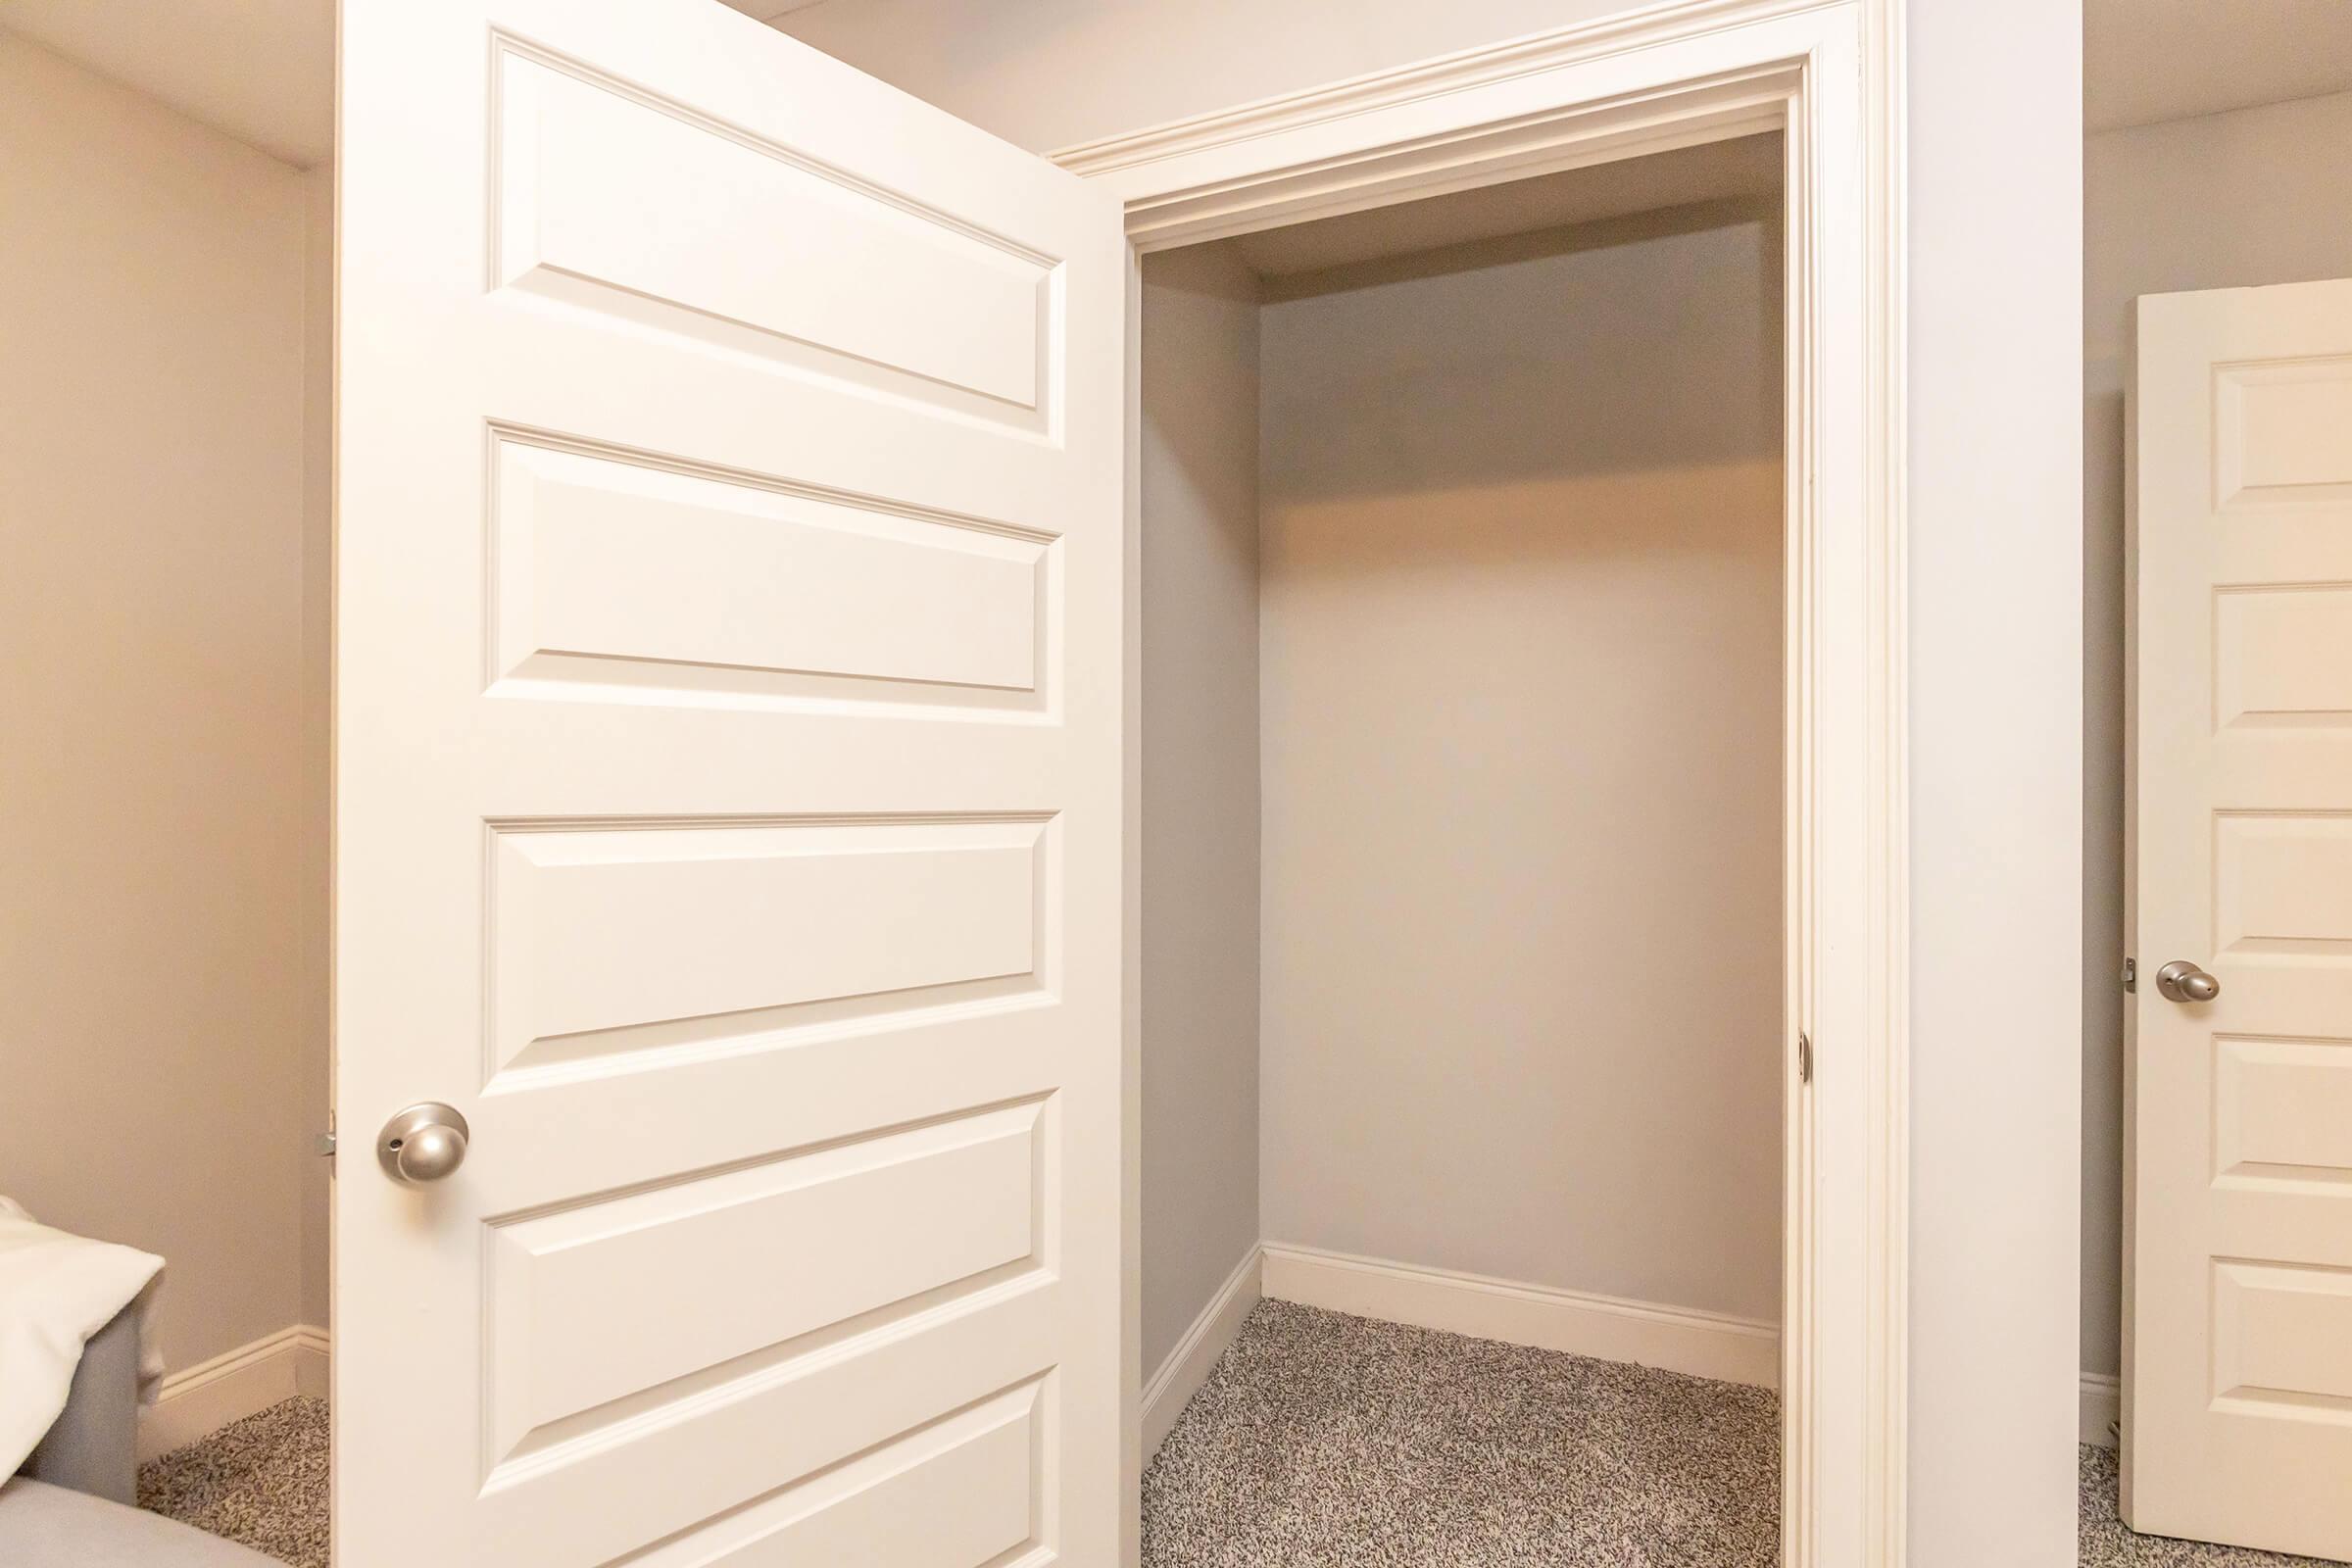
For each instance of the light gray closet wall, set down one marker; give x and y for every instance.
(1522, 695)
(1201, 800)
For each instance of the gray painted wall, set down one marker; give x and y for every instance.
(2221, 201)
(1522, 692)
(1200, 785)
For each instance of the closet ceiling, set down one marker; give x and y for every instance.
(1749, 166)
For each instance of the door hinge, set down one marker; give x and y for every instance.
(1804, 1058)
(2131, 974)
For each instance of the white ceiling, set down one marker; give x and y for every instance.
(262, 70)
(770, 10)
(2151, 60)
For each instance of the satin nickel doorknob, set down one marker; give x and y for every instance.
(2183, 981)
(423, 1143)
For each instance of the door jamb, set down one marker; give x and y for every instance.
(1828, 72)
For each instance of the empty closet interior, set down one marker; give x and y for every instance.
(1462, 619)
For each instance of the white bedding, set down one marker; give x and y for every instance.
(55, 1291)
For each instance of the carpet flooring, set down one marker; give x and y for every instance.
(259, 1482)
(2104, 1540)
(1323, 1441)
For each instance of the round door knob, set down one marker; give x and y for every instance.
(2183, 981)
(423, 1143)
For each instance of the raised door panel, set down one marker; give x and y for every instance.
(2238, 1231)
(642, 944)
(617, 575)
(652, 209)
(728, 788)
(965, 1492)
(612, 1307)
(2280, 430)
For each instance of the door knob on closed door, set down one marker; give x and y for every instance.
(423, 1143)
(2183, 981)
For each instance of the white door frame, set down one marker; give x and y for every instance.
(1828, 73)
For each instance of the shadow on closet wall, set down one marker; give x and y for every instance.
(1521, 634)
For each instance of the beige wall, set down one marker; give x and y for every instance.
(315, 1069)
(2254, 196)
(152, 1011)
(1200, 784)
(1522, 699)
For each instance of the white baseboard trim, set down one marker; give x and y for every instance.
(2102, 1410)
(1707, 1344)
(1170, 1389)
(201, 1400)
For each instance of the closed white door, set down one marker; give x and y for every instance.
(2237, 1387)
(727, 808)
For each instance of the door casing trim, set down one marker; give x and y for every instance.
(1828, 73)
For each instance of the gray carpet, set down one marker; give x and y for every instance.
(1323, 1441)
(2103, 1540)
(261, 1482)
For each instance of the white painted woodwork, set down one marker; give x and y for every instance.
(1608, 1328)
(192, 1402)
(963, 1490)
(650, 210)
(595, 1304)
(2237, 1337)
(796, 925)
(1192, 1359)
(728, 793)
(752, 593)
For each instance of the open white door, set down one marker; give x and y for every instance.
(729, 807)
(2237, 1327)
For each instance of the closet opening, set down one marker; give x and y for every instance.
(1464, 892)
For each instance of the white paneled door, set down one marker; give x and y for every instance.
(2237, 1390)
(729, 807)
